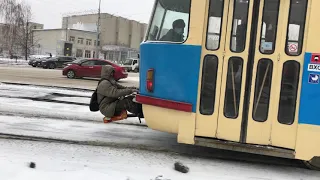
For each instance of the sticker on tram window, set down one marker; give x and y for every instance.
(315, 59)
(267, 46)
(314, 78)
(293, 47)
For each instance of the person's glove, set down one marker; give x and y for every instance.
(134, 90)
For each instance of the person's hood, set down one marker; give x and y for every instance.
(106, 72)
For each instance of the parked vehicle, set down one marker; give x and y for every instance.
(36, 62)
(56, 62)
(91, 68)
(131, 65)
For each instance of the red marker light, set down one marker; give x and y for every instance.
(150, 80)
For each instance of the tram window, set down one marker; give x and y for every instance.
(170, 21)
(239, 26)
(214, 24)
(269, 26)
(288, 95)
(262, 90)
(233, 88)
(296, 27)
(208, 89)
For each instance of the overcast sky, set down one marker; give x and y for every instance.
(50, 12)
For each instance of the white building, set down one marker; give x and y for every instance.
(53, 40)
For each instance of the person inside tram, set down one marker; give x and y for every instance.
(176, 33)
(115, 99)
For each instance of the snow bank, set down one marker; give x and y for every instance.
(8, 61)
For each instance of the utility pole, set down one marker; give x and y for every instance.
(27, 38)
(67, 26)
(98, 31)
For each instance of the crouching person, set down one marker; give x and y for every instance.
(115, 99)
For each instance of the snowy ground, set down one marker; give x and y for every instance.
(8, 62)
(33, 101)
(47, 125)
(75, 162)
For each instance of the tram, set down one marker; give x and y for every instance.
(241, 75)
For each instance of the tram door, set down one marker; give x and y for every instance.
(256, 77)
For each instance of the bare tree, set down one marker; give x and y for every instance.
(17, 27)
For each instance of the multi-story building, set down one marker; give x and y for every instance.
(82, 43)
(119, 37)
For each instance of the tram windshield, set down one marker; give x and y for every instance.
(170, 21)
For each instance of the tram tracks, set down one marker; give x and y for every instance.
(45, 99)
(51, 98)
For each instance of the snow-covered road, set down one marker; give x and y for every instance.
(36, 101)
(130, 149)
(77, 162)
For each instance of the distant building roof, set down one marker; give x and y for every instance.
(95, 14)
(62, 29)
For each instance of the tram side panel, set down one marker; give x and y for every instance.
(308, 137)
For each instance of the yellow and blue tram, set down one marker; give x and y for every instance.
(241, 75)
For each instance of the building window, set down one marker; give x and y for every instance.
(117, 37)
(72, 39)
(34, 27)
(169, 14)
(110, 55)
(124, 55)
(80, 40)
(88, 42)
(130, 40)
(94, 54)
(79, 53)
(95, 42)
(87, 54)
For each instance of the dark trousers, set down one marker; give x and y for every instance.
(128, 105)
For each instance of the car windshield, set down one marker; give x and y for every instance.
(128, 62)
(79, 61)
(45, 59)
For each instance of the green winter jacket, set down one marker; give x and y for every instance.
(109, 92)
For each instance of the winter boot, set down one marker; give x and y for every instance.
(122, 116)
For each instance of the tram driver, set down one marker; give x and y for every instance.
(176, 33)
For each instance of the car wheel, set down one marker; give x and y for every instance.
(71, 74)
(136, 70)
(52, 66)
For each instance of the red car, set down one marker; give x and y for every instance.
(91, 68)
